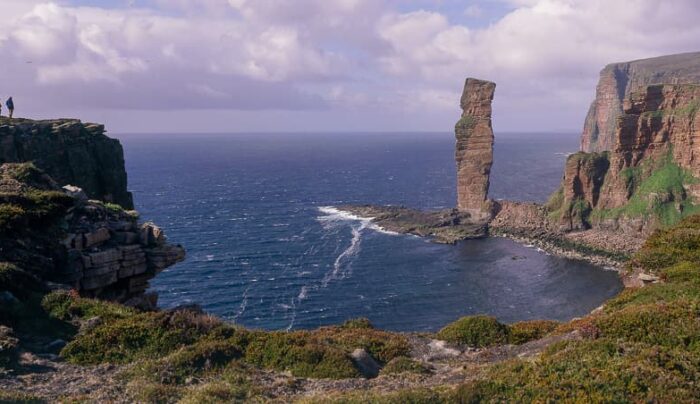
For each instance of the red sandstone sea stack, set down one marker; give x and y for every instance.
(474, 152)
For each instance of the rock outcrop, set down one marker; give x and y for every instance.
(619, 80)
(651, 175)
(474, 151)
(71, 152)
(63, 221)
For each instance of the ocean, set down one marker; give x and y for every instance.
(268, 249)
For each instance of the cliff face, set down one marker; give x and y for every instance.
(57, 235)
(650, 177)
(474, 152)
(619, 80)
(71, 152)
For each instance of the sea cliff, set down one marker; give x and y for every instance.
(55, 233)
(619, 80)
(71, 152)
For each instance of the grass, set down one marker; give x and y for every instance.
(526, 331)
(404, 364)
(657, 189)
(475, 331)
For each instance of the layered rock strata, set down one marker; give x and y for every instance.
(474, 150)
(651, 176)
(619, 80)
(59, 237)
(71, 152)
(110, 255)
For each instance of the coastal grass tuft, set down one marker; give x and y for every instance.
(475, 331)
(403, 364)
(526, 331)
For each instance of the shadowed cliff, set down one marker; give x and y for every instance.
(71, 152)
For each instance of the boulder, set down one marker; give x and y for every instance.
(364, 362)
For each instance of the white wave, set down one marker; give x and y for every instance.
(341, 268)
(334, 215)
(243, 306)
(303, 293)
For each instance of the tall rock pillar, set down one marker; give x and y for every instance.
(474, 153)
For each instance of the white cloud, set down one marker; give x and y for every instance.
(332, 54)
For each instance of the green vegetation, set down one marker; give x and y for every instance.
(657, 189)
(114, 208)
(466, 122)
(404, 364)
(555, 204)
(687, 111)
(33, 207)
(9, 345)
(525, 331)
(485, 331)
(476, 331)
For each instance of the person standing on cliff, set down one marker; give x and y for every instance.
(10, 106)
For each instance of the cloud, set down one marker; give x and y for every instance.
(366, 56)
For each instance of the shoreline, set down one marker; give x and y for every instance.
(550, 246)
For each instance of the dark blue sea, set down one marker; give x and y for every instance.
(266, 248)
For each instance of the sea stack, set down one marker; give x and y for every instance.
(474, 153)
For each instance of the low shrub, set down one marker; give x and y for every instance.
(190, 361)
(590, 371)
(9, 348)
(301, 354)
(404, 364)
(148, 392)
(140, 335)
(475, 331)
(362, 323)
(67, 306)
(525, 331)
(651, 324)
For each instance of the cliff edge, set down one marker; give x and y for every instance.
(59, 235)
(71, 152)
(619, 80)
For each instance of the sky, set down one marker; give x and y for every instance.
(323, 65)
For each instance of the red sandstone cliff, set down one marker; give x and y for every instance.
(649, 178)
(619, 80)
(474, 151)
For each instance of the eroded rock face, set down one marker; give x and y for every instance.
(474, 151)
(649, 178)
(71, 152)
(110, 255)
(619, 80)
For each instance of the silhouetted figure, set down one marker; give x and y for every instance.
(10, 106)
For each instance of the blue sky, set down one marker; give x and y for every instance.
(324, 65)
